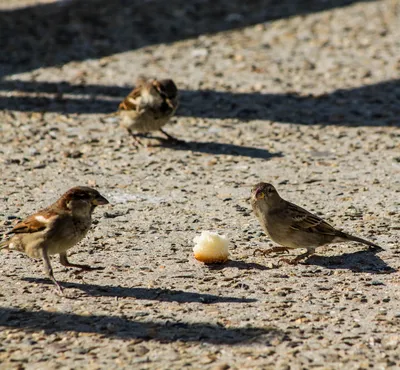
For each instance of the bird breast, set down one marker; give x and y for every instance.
(279, 231)
(67, 234)
(145, 120)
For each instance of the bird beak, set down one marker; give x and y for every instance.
(169, 102)
(259, 194)
(100, 201)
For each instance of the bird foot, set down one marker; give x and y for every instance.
(299, 258)
(136, 141)
(172, 139)
(264, 252)
(59, 289)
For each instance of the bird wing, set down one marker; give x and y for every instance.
(131, 101)
(34, 223)
(306, 221)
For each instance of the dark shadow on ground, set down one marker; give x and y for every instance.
(219, 148)
(361, 261)
(60, 32)
(241, 265)
(371, 105)
(157, 294)
(129, 328)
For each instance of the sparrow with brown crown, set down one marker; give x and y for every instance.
(57, 228)
(149, 107)
(292, 226)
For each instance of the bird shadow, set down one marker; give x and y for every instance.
(215, 148)
(154, 294)
(133, 327)
(361, 261)
(241, 265)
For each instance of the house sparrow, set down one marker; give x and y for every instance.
(149, 107)
(292, 226)
(57, 228)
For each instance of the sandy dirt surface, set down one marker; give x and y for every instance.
(305, 95)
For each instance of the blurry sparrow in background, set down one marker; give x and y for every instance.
(149, 107)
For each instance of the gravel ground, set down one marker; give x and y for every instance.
(303, 94)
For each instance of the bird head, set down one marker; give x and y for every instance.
(168, 91)
(264, 193)
(82, 199)
(166, 88)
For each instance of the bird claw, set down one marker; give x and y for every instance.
(136, 141)
(171, 138)
(262, 251)
(59, 289)
(295, 261)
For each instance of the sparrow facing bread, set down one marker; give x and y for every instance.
(56, 228)
(292, 226)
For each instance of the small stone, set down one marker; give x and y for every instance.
(141, 350)
(223, 366)
(376, 282)
(73, 154)
(200, 52)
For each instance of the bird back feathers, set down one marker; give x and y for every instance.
(307, 221)
(130, 103)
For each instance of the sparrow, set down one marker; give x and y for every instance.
(56, 229)
(294, 227)
(149, 107)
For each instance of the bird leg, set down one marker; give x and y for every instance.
(138, 143)
(49, 270)
(170, 137)
(271, 250)
(64, 261)
(299, 258)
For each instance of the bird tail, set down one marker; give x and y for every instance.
(362, 241)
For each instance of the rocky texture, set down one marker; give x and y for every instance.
(305, 96)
